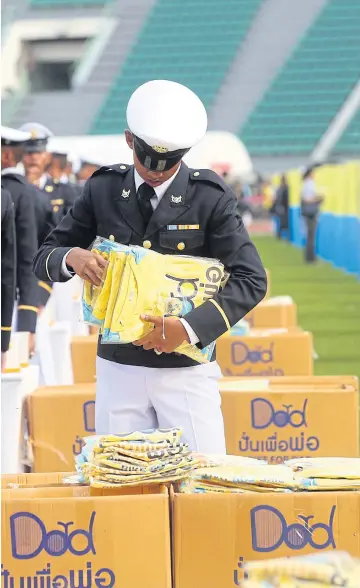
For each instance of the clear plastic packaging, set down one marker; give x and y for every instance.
(139, 281)
(314, 570)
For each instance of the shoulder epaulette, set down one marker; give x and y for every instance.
(119, 168)
(207, 175)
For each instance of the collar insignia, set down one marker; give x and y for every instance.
(176, 199)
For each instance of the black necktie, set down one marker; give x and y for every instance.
(145, 193)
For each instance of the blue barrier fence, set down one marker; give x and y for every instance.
(337, 238)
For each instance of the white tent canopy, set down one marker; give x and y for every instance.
(218, 150)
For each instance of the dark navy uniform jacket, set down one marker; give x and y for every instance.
(45, 223)
(22, 194)
(8, 267)
(198, 198)
(61, 197)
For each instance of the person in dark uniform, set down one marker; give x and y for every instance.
(57, 171)
(8, 270)
(310, 205)
(161, 204)
(86, 170)
(44, 225)
(36, 162)
(280, 208)
(22, 194)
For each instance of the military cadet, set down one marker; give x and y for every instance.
(160, 203)
(59, 171)
(86, 170)
(57, 167)
(37, 161)
(8, 270)
(22, 194)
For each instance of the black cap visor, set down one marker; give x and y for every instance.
(35, 146)
(155, 160)
(9, 143)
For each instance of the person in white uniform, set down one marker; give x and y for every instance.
(159, 203)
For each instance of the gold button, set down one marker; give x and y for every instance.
(147, 244)
(56, 208)
(196, 174)
(111, 238)
(123, 166)
(49, 188)
(181, 246)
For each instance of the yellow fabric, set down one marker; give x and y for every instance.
(139, 281)
(239, 476)
(137, 458)
(327, 569)
(327, 473)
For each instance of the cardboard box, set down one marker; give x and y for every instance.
(283, 422)
(32, 480)
(213, 535)
(293, 381)
(78, 490)
(67, 540)
(55, 481)
(270, 316)
(83, 354)
(46, 492)
(272, 352)
(59, 417)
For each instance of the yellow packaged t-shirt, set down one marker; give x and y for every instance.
(162, 286)
(138, 282)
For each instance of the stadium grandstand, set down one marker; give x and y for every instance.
(280, 79)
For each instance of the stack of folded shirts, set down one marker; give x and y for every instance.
(242, 477)
(139, 281)
(210, 460)
(326, 473)
(308, 571)
(142, 457)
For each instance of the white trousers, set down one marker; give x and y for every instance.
(130, 398)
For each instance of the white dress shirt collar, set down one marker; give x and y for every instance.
(42, 181)
(159, 190)
(11, 170)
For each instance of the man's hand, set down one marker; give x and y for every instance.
(174, 331)
(88, 265)
(3, 361)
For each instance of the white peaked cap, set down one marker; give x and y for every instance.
(166, 114)
(13, 135)
(37, 130)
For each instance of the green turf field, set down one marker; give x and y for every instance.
(328, 302)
